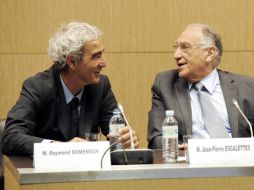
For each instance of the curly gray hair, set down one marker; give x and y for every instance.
(69, 40)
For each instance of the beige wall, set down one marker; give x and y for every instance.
(138, 37)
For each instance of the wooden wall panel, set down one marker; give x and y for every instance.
(138, 36)
(14, 69)
(129, 25)
(238, 62)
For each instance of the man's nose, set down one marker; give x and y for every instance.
(177, 53)
(102, 63)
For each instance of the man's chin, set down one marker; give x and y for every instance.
(97, 80)
(181, 74)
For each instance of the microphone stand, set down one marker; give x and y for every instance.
(121, 110)
(235, 103)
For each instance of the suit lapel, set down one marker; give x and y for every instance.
(230, 92)
(85, 122)
(183, 100)
(64, 118)
(63, 112)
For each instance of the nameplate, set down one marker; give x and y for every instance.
(71, 155)
(221, 151)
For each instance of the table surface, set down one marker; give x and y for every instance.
(158, 170)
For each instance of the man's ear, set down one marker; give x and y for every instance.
(70, 61)
(212, 53)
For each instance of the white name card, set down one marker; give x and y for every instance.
(221, 151)
(71, 155)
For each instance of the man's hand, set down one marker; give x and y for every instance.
(125, 137)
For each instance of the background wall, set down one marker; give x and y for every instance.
(138, 37)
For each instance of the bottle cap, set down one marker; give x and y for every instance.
(116, 111)
(169, 112)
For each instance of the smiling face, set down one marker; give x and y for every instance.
(88, 69)
(193, 60)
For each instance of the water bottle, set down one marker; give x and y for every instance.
(170, 137)
(115, 124)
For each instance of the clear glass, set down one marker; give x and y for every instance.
(92, 136)
(185, 143)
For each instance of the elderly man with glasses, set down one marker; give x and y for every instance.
(200, 94)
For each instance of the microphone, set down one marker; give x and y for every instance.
(235, 103)
(131, 156)
(121, 110)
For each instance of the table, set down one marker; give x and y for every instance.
(20, 175)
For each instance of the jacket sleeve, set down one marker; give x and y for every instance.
(19, 133)
(155, 117)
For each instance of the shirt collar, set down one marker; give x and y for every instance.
(210, 81)
(67, 93)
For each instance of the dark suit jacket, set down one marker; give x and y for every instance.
(42, 113)
(169, 92)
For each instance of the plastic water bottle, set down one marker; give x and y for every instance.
(115, 124)
(170, 137)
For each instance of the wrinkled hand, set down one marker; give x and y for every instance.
(125, 137)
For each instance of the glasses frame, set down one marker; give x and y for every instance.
(185, 47)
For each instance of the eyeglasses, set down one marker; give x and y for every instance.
(185, 47)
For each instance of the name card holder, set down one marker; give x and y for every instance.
(221, 151)
(71, 155)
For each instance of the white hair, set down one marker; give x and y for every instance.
(69, 40)
(211, 37)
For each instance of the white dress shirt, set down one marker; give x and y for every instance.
(212, 84)
(68, 95)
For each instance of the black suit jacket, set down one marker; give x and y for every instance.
(42, 113)
(169, 92)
